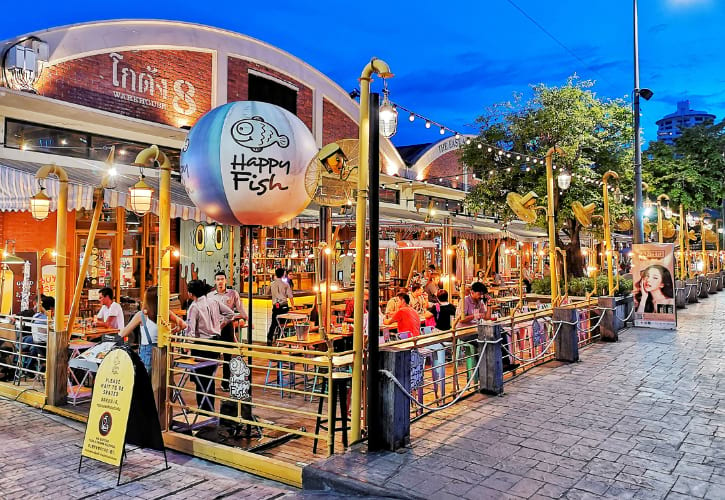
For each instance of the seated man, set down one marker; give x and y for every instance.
(111, 313)
(407, 319)
(34, 344)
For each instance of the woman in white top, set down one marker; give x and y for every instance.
(145, 319)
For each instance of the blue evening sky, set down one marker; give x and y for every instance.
(453, 60)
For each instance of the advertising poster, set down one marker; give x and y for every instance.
(108, 418)
(654, 285)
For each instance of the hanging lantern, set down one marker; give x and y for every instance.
(141, 196)
(564, 179)
(388, 118)
(40, 205)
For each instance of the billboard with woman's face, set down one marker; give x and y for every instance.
(654, 285)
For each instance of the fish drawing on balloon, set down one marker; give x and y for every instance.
(256, 134)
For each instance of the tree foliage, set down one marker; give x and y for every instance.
(594, 133)
(692, 172)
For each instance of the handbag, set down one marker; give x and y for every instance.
(432, 320)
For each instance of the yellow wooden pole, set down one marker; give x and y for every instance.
(607, 230)
(57, 353)
(682, 237)
(380, 67)
(551, 223)
(705, 263)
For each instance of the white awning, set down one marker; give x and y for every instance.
(18, 184)
(416, 244)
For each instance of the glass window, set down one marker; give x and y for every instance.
(267, 90)
(33, 137)
(63, 142)
(389, 196)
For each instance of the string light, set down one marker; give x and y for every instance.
(427, 124)
(412, 117)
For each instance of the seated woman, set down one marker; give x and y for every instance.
(442, 311)
(146, 320)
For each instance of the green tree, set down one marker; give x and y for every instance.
(692, 172)
(594, 133)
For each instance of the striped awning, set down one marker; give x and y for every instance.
(18, 184)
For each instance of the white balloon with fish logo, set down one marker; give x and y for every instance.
(244, 163)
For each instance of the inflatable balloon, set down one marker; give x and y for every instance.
(244, 163)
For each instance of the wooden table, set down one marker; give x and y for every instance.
(93, 332)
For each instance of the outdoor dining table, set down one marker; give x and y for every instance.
(92, 333)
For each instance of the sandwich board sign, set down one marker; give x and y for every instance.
(122, 410)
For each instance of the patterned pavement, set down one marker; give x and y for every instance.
(640, 418)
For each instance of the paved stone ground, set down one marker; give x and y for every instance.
(642, 418)
(39, 456)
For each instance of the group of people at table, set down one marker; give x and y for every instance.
(213, 312)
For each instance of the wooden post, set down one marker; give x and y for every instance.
(610, 324)
(394, 405)
(567, 341)
(490, 371)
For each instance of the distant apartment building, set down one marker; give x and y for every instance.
(670, 126)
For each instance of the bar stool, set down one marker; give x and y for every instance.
(337, 395)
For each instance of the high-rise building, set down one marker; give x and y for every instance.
(670, 126)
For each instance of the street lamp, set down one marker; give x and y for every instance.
(646, 94)
(58, 342)
(705, 260)
(381, 68)
(717, 244)
(660, 229)
(681, 238)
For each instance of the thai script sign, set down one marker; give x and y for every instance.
(146, 86)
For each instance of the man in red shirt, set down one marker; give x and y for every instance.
(406, 317)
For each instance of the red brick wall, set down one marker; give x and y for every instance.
(181, 90)
(31, 235)
(336, 124)
(238, 86)
(445, 166)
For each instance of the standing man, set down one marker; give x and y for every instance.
(282, 299)
(205, 318)
(111, 314)
(230, 298)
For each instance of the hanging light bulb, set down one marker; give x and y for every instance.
(411, 117)
(388, 116)
(564, 179)
(480, 146)
(489, 149)
(443, 130)
(458, 136)
(140, 196)
(40, 205)
(427, 124)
